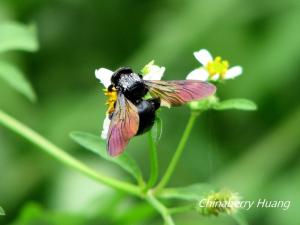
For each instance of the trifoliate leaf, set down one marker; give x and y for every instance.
(16, 79)
(98, 146)
(238, 103)
(15, 36)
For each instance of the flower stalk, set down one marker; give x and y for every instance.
(61, 155)
(160, 208)
(166, 177)
(182, 209)
(153, 161)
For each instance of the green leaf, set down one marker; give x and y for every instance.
(14, 36)
(238, 103)
(16, 79)
(192, 192)
(98, 146)
(156, 130)
(33, 213)
(2, 212)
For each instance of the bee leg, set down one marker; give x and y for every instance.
(138, 101)
(110, 87)
(155, 102)
(110, 115)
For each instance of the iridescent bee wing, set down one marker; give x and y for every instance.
(178, 92)
(123, 126)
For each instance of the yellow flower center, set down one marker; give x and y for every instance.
(217, 66)
(111, 99)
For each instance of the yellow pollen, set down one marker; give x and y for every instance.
(111, 99)
(217, 66)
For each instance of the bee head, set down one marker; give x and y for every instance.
(118, 73)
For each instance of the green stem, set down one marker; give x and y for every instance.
(182, 209)
(164, 181)
(160, 208)
(153, 161)
(62, 156)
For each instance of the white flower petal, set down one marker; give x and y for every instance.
(105, 128)
(104, 75)
(233, 72)
(203, 56)
(198, 74)
(154, 73)
(215, 77)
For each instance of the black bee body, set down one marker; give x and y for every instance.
(132, 86)
(146, 110)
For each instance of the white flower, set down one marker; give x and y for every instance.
(105, 127)
(152, 71)
(213, 69)
(104, 75)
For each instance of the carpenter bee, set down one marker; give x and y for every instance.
(132, 115)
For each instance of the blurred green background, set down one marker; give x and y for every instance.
(254, 153)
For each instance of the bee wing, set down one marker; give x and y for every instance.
(178, 92)
(123, 126)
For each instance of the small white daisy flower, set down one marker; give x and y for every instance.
(150, 72)
(213, 69)
(105, 127)
(104, 75)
